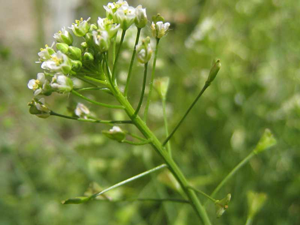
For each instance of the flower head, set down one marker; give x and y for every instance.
(105, 24)
(159, 29)
(63, 36)
(101, 40)
(39, 108)
(80, 27)
(61, 83)
(82, 111)
(45, 53)
(140, 17)
(125, 16)
(111, 8)
(40, 85)
(58, 62)
(144, 51)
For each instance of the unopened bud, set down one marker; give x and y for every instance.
(63, 36)
(214, 71)
(74, 53)
(140, 17)
(222, 205)
(77, 200)
(266, 141)
(39, 108)
(156, 18)
(62, 47)
(144, 51)
(115, 134)
(76, 65)
(87, 56)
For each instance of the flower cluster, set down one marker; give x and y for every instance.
(62, 62)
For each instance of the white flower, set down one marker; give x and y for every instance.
(58, 62)
(144, 51)
(125, 16)
(115, 129)
(40, 85)
(39, 108)
(108, 25)
(82, 111)
(45, 53)
(61, 83)
(111, 8)
(140, 17)
(101, 40)
(63, 36)
(80, 27)
(159, 29)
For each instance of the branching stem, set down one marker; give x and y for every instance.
(143, 90)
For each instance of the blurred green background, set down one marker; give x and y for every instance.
(45, 161)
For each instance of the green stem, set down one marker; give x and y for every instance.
(151, 82)
(114, 48)
(117, 56)
(166, 124)
(249, 221)
(94, 89)
(137, 137)
(233, 171)
(95, 80)
(136, 143)
(95, 102)
(92, 120)
(204, 194)
(148, 200)
(186, 113)
(132, 60)
(141, 125)
(143, 90)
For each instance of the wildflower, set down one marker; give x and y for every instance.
(45, 53)
(61, 83)
(101, 40)
(222, 205)
(266, 141)
(63, 36)
(116, 133)
(111, 8)
(58, 62)
(125, 16)
(144, 51)
(159, 29)
(162, 85)
(40, 86)
(39, 108)
(82, 111)
(140, 17)
(108, 25)
(80, 27)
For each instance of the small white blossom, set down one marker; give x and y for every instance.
(38, 107)
(125, 16)
(115, 129)
(80, 27)
(82, 111)
(101, 40)
(45, 53)
(104, 24)
(63, 36)
(111, 8)
(61, 83)
(58, 62)
(144, 51)
(140, 17)
(159, 29)
(40, 85)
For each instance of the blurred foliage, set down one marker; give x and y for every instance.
(45, 161)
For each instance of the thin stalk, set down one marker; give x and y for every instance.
(136, 143)
(186, 113)
(132, 60)
(151, 81)
(249, 221)
(117, 56)
(92, 120)
(137, 137)
(148, 200)
(85, 80)
(114, 48)
(140, 124)
(204, 194)
(166, 124)
(95, 102)
(95, 80)
(232, 172)
(143, 90)
(94, 89)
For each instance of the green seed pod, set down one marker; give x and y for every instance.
(88, 56)
(74, 53)
(266, 141)
(214, 71)
(62, 47)
(77, 200)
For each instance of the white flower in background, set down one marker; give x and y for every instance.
(125, 16)
(82, 111)
(80, 27)
(144, 51)
(140, 17)
(40, 85)
(63, 36)
(115, 129)
(45, 53)
(61, 83)
(58, 62)
(159, 29)
(101, 40)
(108, 25)
(111, 8)
(38, 107)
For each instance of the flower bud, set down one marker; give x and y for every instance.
(77, 200)
(58, 62)
(222, 205)
(159, 29)
(115, 134)
(45, 53)
(156, 18)
(266, 141)
(161, 85)
(61, 83)
(62, 47)
(84, 44)
(63, 36)
(144, 51)
(74, 53)
(76, 65)
(255, 202)
(140, 17)
(40, 86)
(101, 40)
(125, 16)
(87, 56)
(80, 27)
(214, 71)
(82, 111)
(39, 108)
